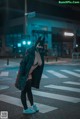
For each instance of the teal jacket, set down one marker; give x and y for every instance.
(25, 67)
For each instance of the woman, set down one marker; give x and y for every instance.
(30, 72)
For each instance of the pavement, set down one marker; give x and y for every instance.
(16, 62)
(62, 105)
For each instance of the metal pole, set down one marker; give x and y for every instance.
(26, 19)
(7, 26)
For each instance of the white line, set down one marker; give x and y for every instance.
(72, 73)
(44, 76)
(57, 74)
(77, 70)
(56, 96)
(15, 101)
(63, 88)
(5, 79)
(73, 83)
(16, 72)
(3, 87)
(4, 73)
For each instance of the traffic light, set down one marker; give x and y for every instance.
(24, 42)
(19, 44)
(28, 42)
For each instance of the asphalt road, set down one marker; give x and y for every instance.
(57, 98)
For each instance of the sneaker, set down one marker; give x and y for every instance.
(35, 108)
(28, 111)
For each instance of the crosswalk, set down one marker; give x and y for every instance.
(63, 88)
(56, 96)
(49, 94)
(16, 101)
(58, 74)
(45, 108)
(71, 82)
(4, 73)
(71, 73)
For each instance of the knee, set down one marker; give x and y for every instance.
(29, 91)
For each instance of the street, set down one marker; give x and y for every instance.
(57, 98)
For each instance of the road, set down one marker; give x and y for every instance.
(57, 98)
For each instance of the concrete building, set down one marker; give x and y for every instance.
(46, 18)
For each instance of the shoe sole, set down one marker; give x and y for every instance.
(37, 111)
(28, 113)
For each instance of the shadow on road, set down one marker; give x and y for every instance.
(33, 116)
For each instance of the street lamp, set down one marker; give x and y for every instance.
(68, 34)
(76, 45)
(25, 19)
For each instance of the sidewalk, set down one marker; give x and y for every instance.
(11, 63)
(59, 61)
(16, 62)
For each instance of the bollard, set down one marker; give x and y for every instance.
(56, 58)
(7, 61)
(47, 59)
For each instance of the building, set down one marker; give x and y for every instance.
(47, 18)
(10, 26)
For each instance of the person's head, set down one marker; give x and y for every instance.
(40, 44)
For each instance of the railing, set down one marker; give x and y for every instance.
(76, 56)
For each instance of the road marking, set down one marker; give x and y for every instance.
(77, 70)
(72, 73)
(16, 101)
(5, 79)
(3, 87)
(16, 72)
(44, 76)
(71, 82)
(57, 74)
(56, 96)
(4, 73)
(63, 88)
(72, 64)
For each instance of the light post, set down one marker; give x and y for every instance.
(7, 26)
(25, 19)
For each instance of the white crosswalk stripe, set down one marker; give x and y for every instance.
(15, 101)
(44, 76)
(71, 82)
(4, 73)
(56, 96)
(3, 87)
(16, 72)
(77, 70)
(59, 75)
(52, 72)
(63, 88)
(5, 79)
(71, 73)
